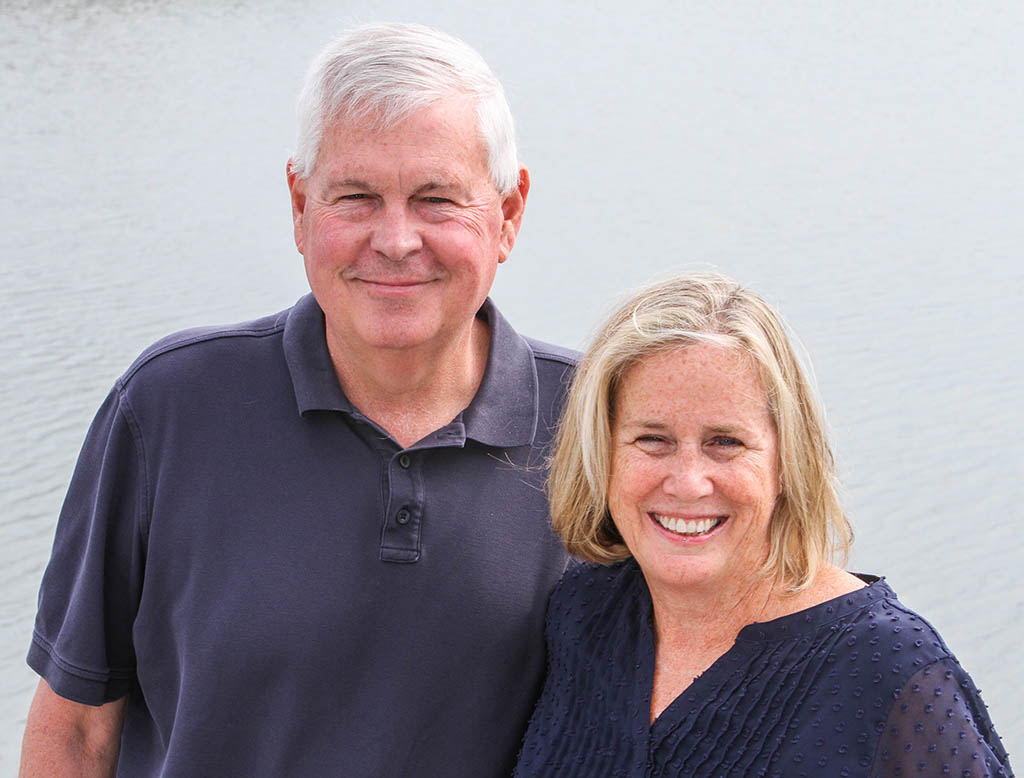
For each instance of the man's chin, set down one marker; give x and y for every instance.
(392, 335)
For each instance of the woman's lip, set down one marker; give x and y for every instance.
(689, 527)
(688, 516)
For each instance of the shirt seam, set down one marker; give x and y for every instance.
(552, 357)
(217, 334)
(124, 407)
(84, 673)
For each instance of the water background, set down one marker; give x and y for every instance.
(859, 164)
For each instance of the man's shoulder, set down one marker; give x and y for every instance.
(205, 344)
(548, 352)
(554, 367)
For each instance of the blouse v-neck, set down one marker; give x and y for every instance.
(750, 642)
(815, 693)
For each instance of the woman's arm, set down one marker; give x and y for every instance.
(938, 725)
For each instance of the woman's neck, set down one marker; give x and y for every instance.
(693, 628)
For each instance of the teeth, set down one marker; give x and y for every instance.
(684, 527)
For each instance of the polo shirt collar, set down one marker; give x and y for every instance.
(309, 361)
(505, 408)
(503, 413)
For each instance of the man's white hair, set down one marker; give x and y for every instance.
(382, 73)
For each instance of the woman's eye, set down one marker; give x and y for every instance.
(652, 443)
(725, 441)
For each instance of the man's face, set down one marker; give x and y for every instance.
(402, 230)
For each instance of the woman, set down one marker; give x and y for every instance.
(710, 633)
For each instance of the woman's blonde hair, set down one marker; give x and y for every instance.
(808, 527)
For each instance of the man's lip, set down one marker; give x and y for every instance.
(395, 282)
(393, 287)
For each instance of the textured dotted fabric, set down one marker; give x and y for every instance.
(857, 687)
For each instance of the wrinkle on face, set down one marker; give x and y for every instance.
(412, 206)
(692, 438)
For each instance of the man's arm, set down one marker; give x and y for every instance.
(65, 738)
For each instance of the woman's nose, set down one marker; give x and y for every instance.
(688, 476)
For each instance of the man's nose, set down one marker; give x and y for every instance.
(395, 233)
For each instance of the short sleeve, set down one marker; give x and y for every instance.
(90, 591)
(939, 726)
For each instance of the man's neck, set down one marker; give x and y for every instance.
(413, 392)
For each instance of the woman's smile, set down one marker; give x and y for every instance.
(695, 471)
(689, 527)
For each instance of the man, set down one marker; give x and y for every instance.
(317, 544)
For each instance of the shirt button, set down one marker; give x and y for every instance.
(405, 461)
(403, 516)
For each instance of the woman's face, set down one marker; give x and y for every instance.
(695, 467)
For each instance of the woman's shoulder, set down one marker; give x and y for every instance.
(888, 641)
(584, 581)
(593, 597)
(896, 626)
(864, 615)
(937, 722)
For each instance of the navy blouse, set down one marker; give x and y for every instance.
(857, 687)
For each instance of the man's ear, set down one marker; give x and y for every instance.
(512, 208)
(297, 188)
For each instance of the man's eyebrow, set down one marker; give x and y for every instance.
(453, 185)
(355, 183)
(429, 186)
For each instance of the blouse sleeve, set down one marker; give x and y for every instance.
(939, 726)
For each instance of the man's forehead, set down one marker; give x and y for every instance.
(376, 117)
(411, 181)
(438, 145)
(340, 171)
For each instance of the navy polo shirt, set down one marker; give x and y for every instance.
(280, 588)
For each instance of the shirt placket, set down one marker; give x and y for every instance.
(403, 510)
(404, 505)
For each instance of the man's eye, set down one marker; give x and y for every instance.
(436, 200)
